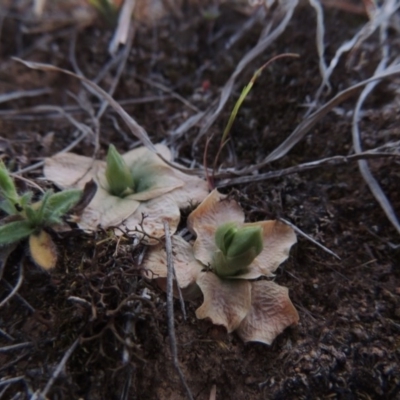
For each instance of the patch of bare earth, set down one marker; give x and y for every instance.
(96, 305)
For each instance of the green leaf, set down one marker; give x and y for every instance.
(14, 231)
(224, 235)
(32, 216)
(60, 203)
(8, 207)
(25, 199)
(246, 238)
(118, 176)
(238, 247)
(7, 186)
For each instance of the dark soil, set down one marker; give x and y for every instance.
(347, 344)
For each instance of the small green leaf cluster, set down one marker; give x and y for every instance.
(237, 248)
(107, 8)
(119, 177)
(26, 218)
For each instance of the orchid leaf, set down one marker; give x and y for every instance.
(14, 231)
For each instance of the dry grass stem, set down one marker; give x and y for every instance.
(170, 310)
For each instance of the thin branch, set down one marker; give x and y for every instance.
(170, 309)
(283, 14)
(42, 395)
(20, 298)
(23, 93)
(335, 160)
(17, 346)
(11, 380)
(300, 232)
(16, 287)
(362, 164)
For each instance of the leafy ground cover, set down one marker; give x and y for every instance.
(93, 328)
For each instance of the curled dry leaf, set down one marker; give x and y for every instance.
(226, 302)
(257, 310)
(160, 191)
(43, 250)
(270, 313)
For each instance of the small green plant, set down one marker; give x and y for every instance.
(26, 219)
(108, 9)
(237, 247)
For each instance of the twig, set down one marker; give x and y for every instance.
(121, 66)
(124, 22)
(28, 181)
(284, 11)
(13, 347)
(20, 298)
(335, 160)
(64, 150)
(23, 93)
(11, 380)
(6, 335)
(362, 164)
(57, 371)
(16, 287)
(170, 309)
(305, 126)
(300, 232)
(166, 89)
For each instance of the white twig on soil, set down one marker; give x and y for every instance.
(305, 126)
(16, 287)
(335, 160)
(170, 309)
(42, 395)
(320, 39)
(362, 164)
(11, 380)
(124, 21)
(300, 232)
(20, 298)
(23, 93)
(17, 346)
(380, 18)
(283, 14)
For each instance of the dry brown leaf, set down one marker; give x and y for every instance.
(270, 313)
(226, 301)
(278, 239)
(187, 268)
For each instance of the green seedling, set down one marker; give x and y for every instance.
(26, 219)
(246, 90)
(237, 248)
(108, 9)
(119, 177)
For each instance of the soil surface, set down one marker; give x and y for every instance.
(97, 309)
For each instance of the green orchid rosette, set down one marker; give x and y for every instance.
(223, 266)
(136, 191)
(119, 177)
(237, 248)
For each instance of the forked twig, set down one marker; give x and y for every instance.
(42, 395)
(170, 310)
